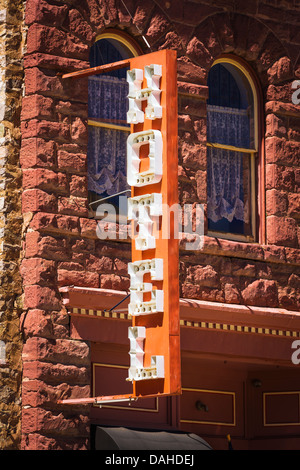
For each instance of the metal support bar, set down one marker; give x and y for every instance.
(108, 399)
(109, 197)
(119, 303)
(97, 70)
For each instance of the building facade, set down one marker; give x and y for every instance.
(63, 334)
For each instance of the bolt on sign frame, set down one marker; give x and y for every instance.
(155, 356)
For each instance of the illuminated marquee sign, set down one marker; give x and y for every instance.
(152, 174)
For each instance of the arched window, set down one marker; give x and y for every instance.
(232, 142)
(108, 129)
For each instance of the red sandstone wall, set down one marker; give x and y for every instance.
(60, 243)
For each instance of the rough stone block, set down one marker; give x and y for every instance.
(222, 24)
(294, 205)
(77, 25)
(71, 161)
(37, 271)
(172, 40)
(281, 70)
(198, 53)
(55, 63)
(43, 298)
(42, 12)
(185, 122)
(276, 202)
(78, 278)
(189, 72)
(79, 131)
(37, 81)
(271, 52)
(36, 441)
(78, 186)
(207, 35)
(38, 393)
(55, 373)
(289, 298)
(37, 106)
(55, 223)
(280, 93)
(200, 178)
(158, 26)
(45, 179)
(262, 293)
(275, 126)
(48, 83)
(70, 266)
(193, 154)
(55, 41)
(37, 152)
(62, 351)
(284, 109)
(204, 276)
(37, 323)
(72, 109)
(37, 200)
(88, 227)
(73, 206)
(114, 282)
(282, 151)
(81, 248)
(243, 268)
(232, 294)
(280, 177)
(274, 253)
(282, 231)
(40, 420)
(49, 247)
(59, 131)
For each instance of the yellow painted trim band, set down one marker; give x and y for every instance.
(121, 39)
(91, 122)
(230, 147)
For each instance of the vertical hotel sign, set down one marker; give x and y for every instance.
(152, 169)
(152, 173)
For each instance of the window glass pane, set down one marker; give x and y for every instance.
(230, 107)
(228, 126)
(223, 89)
(107, 51)
(107, 108)
(228, 191)
(106, 160)
(229, 122)
(108, 99)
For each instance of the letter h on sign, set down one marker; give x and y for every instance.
(152, 174)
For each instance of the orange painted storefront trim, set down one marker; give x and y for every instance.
(211, 328)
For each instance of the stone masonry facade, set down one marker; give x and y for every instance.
(12, 36)
(47, 237)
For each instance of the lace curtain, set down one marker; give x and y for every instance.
(228, 126)
(107, 147)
